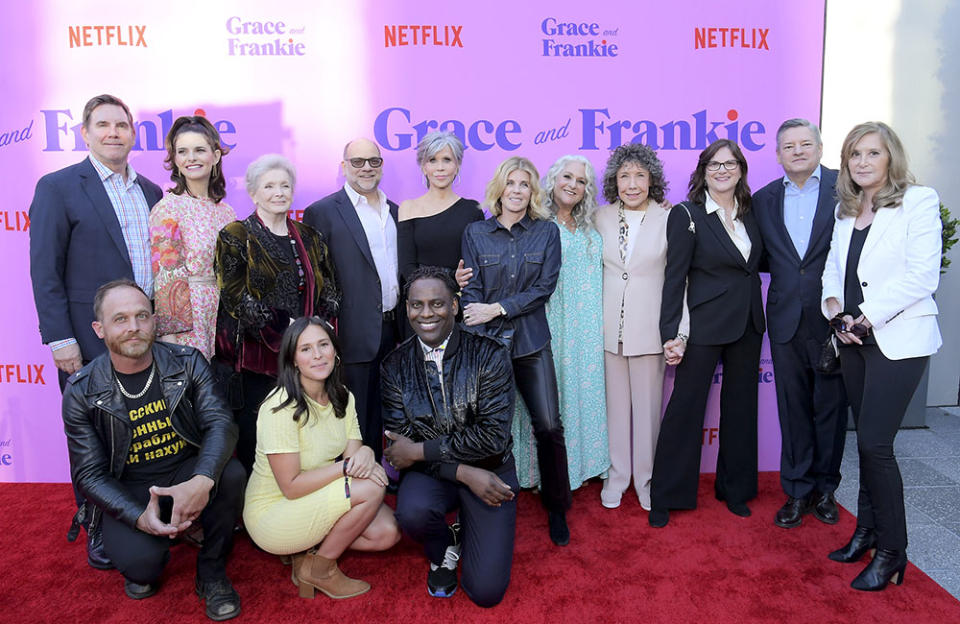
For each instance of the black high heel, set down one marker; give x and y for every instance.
(888, 565)
(863, 539)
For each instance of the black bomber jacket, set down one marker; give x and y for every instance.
(99, 431)
(467, 419)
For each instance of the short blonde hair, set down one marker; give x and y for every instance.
(898, 180)
(535, 210)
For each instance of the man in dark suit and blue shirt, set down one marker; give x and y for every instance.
(359, 224)
(88, 226)
(796, 215)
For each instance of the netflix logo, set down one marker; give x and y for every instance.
(751, 38)
(22, 374)
(422, 35)
(711, 435)
(101, 36)
(14, 220)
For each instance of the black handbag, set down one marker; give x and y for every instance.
(829, 361)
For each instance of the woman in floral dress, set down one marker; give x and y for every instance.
(575, 316)
(183, 235)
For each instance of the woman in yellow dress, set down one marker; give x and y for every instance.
(315, 490)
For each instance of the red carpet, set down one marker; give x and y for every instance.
(706, 566)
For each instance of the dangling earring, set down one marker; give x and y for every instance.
(336, 359)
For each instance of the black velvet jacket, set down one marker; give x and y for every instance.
(99, 431)
(468, 419)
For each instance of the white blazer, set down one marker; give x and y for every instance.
(899, 270)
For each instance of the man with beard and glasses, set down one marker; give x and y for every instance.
(150, 444)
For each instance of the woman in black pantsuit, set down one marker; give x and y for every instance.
(713, 256)
(878, 282)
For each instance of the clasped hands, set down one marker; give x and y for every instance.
(189, 500)
(847, 335)
(673, 350)
(363, 465)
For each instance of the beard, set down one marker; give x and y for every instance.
(133, 349)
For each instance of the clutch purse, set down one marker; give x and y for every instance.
(829, 361)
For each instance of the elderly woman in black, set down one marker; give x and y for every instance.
(516, 260)
(270, 270)
(713, 258)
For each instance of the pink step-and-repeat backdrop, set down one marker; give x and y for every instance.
(302, 77)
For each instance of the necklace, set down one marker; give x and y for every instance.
(566, 222)
(123, 391)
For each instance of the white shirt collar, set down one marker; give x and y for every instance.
(355, 197)
(712, 206)
(105, 172)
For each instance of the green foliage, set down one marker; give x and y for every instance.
(949, 235)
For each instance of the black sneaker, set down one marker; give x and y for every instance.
(559, 532)
(223, 602)
(442, 579)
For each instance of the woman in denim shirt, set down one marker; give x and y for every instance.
(515, 256)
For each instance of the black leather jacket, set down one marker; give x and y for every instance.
(468, 419)
(99, 432)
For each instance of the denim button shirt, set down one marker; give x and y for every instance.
(517, 268)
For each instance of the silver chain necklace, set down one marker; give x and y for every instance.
(123, 391)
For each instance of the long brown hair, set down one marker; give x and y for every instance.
(698, 179)
(218, 183)
(288, 377)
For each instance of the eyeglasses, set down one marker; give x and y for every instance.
(358, 163)
(858, 330)
(729, 165)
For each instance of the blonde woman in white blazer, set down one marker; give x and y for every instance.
(878, 285)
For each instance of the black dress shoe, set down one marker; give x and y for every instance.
(739, 509)
(791, 514)
(863, 540)
(888, 565)
(96, 557)
(658, 518)
(559, 531)
(138, 591)
(825, 509)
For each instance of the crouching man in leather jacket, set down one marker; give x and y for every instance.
(150, 445)
(447, 406)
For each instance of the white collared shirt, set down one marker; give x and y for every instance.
(736, 230)
(381, 231)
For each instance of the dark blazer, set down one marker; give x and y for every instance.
(76, 245)
(794, 281)
(723, 289)
(360, 320)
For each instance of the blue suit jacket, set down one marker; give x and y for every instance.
(76, 245)
(360, 320)
(794, 281)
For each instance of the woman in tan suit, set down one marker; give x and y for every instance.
(633, 226)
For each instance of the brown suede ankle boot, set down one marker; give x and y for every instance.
(316, 572)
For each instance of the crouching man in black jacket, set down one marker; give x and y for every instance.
(447, 406)
(150, 444)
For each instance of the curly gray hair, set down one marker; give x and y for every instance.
(643, 156)
(265, 163)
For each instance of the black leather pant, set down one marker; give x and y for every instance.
(536, 381)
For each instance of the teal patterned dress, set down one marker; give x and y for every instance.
(575, 315)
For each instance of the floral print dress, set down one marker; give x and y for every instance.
(183, 238)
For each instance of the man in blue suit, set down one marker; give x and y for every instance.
(88, 226)
(796, 215)
(359, 224)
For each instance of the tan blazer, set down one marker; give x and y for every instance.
(638, 286)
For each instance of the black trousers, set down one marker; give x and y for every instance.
(256, 387)
(536, 381)
(812, 408)
(77, 496)
(676, 465)
(880, 391)
(363, 380)
(141, 557)
(487, 553)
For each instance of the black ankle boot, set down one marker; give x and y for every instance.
(863, 539)
(887, 565)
